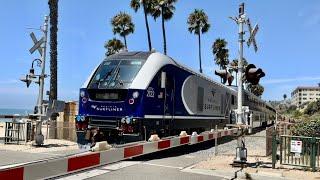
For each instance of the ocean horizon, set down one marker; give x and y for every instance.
(8, 111)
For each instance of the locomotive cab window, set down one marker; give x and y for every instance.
(115, 74)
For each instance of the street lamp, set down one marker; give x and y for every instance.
(31, 76)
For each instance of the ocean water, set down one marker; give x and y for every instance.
(13, 111)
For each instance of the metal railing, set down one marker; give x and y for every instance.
(299, 151)
(17, 132)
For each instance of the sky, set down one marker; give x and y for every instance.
(288, 41)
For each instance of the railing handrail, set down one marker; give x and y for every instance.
(306, 137)
(10, 116)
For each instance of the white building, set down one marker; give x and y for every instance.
(305, 94)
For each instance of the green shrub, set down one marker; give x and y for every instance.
(296, 113)
(312, 108)
(307, 128)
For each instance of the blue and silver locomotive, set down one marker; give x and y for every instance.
(132, 95)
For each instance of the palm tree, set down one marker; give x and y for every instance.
(113, 46)
(221, 53)
(122, 24)
(198, 24)
(234, 67)
(147, 9)
(53, 6)
(256, 89)
(165, 9)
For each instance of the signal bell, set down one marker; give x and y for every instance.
(253, 74)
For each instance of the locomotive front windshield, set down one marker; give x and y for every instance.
(115, 74)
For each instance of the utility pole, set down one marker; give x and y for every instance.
(39, 137)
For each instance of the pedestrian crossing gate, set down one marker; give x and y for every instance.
(296, 151)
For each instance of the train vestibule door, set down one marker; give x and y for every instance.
(168, 85)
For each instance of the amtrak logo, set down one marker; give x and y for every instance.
(106, 108)
(150, 92)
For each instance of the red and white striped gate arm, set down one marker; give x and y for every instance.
(57, 167)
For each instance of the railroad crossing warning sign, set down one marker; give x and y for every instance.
(296, 146)
(37, 44)
(253, 33)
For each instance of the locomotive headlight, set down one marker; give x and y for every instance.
(123, 120)
(128, 120)
(135, 94)
(82, 93)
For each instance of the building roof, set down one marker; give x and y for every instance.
(306, 87)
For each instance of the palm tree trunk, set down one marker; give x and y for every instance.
(164, 34)
(147, 26)
(125, 42)
(53, 6)
(199, 43)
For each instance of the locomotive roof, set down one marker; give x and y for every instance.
(130, 55)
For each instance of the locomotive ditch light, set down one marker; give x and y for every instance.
(253, 74)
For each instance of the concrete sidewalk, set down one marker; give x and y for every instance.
(260, 165)
(53, 148)
(247, 173)
(236, 174)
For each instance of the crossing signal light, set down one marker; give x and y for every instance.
(225, 75)
(253, 74)
(27, 80)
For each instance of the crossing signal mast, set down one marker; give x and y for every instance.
(252, 75)
(39, 46)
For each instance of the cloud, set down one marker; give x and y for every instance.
(287, 80)
(10, 81)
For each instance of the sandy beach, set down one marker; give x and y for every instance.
(2, 127)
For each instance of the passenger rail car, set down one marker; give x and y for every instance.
(131, 95)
